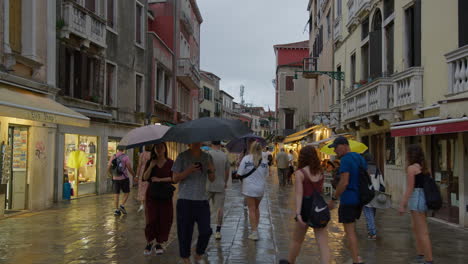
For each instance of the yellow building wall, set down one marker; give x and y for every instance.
(439, 35)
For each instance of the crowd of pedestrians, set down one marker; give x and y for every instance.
(202, 178)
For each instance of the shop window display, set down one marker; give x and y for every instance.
(80, 166)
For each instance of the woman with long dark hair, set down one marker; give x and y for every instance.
(159, 210)
(415, 201)
(309, 177)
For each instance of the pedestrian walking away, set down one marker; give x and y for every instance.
(415, 201)
(347, 190)
(158, 205)
(142, 184)
(291, 159)
(378, 186)
(253, 169)
(217, 188)
(191, 169)
(119, 167)
(309, 179)
(282, 163)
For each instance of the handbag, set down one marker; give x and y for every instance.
(242, 177)
(161, 191)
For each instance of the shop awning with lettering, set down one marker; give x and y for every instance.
(20, 103)
(443, 126)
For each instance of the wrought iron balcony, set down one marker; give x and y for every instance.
(83, 23)
(457, 61)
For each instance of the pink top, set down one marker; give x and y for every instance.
(144, 157)
(126, 161)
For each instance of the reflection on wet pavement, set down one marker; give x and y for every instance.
(86, 231)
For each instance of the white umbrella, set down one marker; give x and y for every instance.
(143, 136)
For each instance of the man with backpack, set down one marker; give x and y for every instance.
(348, 190)
(119, 167)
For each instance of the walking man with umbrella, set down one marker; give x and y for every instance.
(191, 170)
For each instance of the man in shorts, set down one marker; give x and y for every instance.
(348, 192)
(217, 188)
(120, 182)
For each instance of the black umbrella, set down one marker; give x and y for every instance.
(238, 145)
(206, 129)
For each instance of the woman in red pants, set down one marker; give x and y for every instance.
(159, 208)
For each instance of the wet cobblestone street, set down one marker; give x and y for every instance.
(86, 231)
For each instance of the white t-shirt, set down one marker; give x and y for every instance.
(254, 185)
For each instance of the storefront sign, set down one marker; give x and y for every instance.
(437, 128)
(42, 117)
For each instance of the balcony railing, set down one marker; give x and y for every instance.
(362, 7)
(457, 61)
(357, 9)
(189, 70)
(337, 29)
(83, 23)
(407, 88)
(367, 100)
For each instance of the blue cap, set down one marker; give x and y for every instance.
(339, 141)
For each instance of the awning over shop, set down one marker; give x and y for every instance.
(430, 128)
(299, 135)
(24, 104)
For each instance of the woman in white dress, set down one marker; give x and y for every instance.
(253, 171)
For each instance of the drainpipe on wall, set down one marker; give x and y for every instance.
(174, 59)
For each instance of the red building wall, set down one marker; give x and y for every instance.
(163, 24)
(288, 56)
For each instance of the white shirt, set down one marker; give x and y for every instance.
(254, 185)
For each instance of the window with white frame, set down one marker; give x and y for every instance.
(111, 84)
(184, 47)
(139, 23)
(111, 14)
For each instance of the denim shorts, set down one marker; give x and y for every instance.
(417, 201)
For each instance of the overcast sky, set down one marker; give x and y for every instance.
(237, 38)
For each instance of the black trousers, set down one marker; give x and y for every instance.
(190, 212)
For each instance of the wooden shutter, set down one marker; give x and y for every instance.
(462, 23)
(91, 5)
(110, 13)
(289, 119)
(375, 45)
(417, 33)
(15, 26)
(289, 83)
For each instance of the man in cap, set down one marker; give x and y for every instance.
(348, 192)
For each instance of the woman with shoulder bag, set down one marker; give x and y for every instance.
(253, 171)
(309, 178)
(415, 201)
(159, 208)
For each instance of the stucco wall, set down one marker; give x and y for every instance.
(130, 59)
(297, 99)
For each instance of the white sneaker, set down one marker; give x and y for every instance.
(158, 249)
(253, 236)
(217, 235)
(141, 209)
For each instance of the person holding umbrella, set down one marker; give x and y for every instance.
(191, 170)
